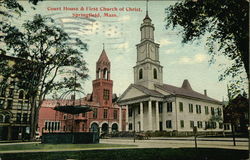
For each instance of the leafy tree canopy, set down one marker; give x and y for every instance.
(226, 23)
(53, 58)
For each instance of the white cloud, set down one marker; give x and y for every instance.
(164, 42)
(198, 58)
(122, 45)
(170, 51)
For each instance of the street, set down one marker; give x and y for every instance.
(182, 142)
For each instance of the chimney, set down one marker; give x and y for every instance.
(205, 92)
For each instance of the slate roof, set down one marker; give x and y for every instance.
(103, 57)
(185, 90)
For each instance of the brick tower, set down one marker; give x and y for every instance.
(102, 85)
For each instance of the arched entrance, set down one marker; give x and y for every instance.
(114, 127)
(94, 127)
(105, 128)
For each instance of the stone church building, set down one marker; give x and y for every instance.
(154, 106)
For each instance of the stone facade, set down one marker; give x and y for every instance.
(14, 107)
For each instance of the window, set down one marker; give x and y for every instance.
(198, 108)
(214, 125)
(155, 73)
(130, 126)
(169, 107)
(212, 110)
(46, 126)
(226, 127)
(84, 114)
(7, 119)
(27, 96)
(11, 92)
(65, 117)
(168, 124)
(25, 117)
(95, 113)
(182, 123)
(21, 95)
(191, 124)
(9, 104)
(53, 125)
(83, 127)
(140, 74)
(1, 118)
(105, 114)
(220, 125)
(2, 103)
(181, 106)
(3, 92)
(206, 110)
(160, 107)
(106, 94)
(199, 124)
(190, 108)
(219, 111)
(18, 117)
(130, 112)
(115, 114)
(20, 105)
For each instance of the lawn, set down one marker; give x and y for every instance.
(134, 154)
(57, 147)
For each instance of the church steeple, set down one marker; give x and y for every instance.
(148, 70)
(147, 28)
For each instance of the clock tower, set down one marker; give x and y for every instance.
(148, 70)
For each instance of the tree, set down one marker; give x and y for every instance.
(226, 23)
(48, 53)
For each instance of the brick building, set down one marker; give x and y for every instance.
(106, 115)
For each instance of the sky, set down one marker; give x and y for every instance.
(121, 33)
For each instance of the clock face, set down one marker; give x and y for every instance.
(152, 49)
(142, 49)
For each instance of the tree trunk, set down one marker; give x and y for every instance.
(32, 118)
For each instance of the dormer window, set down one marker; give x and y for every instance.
(140, 74)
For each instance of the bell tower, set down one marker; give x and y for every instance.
(148, 70)
(102, 85)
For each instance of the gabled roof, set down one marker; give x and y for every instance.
(148, 91)
(186, 91)
(103, 57)
(144, 90)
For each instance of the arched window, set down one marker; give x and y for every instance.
(105, 73)
(21, 94)
(140, 74)
(7, 119)
(155, 73)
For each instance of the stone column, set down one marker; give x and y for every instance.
(150, 128)
(141, 115)
(157, 116)
(126, 117)
(120, 119)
